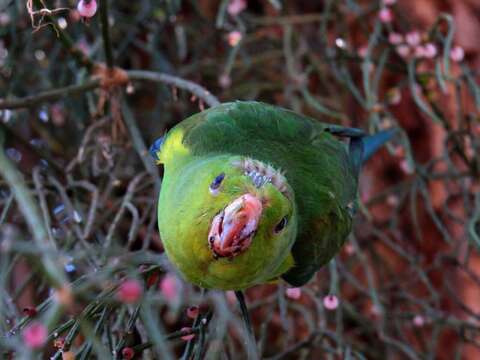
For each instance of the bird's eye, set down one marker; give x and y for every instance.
(281, 225)
(216, 183)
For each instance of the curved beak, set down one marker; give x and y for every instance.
(233, 229)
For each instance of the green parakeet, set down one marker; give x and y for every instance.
(253, 192)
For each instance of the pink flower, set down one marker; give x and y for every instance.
(413, 38)
(235, 7)
(169, 287)
(430, 50)
(192, 312)
(87, 8)
(418, 321)
(293, 293)
(330, 302)
(389, 2)
(395, 38)
(403, 51)
(35, 335)
(385, 15)
(130, 291)
(457, 54)
(419, 51)
(234, 38)
(188, 332)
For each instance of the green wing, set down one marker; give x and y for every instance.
(316, 164)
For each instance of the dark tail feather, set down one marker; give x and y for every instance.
(372, 143)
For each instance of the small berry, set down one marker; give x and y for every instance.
(87, 8)
(59, 343)
(330, 302)
(234, 38)
(35, 335)
(128, 353)
(30, 311)
(293, 293)
(169, 287)
(192, 312)
(130, 291)
(385, 15)
(235, 7)
(418, 321)
(457, 54)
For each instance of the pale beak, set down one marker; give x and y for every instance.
(233, 229)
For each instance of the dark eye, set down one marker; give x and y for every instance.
(217, 182)
(281, 225)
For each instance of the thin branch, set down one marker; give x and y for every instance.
(136, 75)
(197, 90)
(30, 211)
(107, 45)
(49, 95)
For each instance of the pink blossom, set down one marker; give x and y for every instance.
(235, 7)
(430, 50)
(457, 54)
(413, 38)
(418, 321)
(419, 51)
(87, 8)
(403, 51)
(385, 15)
(188, 332)
(130, 291)
(330, 302)
(395, 38)
(169, 287)
(389, 2)
(35, 335)
(293, 293)
(234, 38)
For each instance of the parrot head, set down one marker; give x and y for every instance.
(228, 222)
